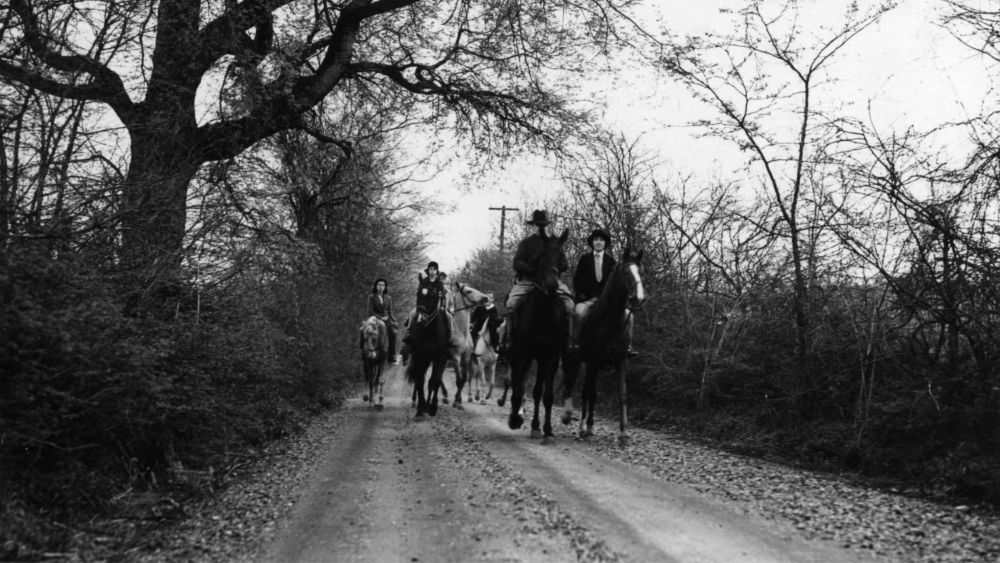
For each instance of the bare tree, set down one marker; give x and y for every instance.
(763, 83)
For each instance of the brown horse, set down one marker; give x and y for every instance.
(429, 348)
(374, 356)
(539, 335)
(605, 337)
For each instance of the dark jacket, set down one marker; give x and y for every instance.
(381, 308)
(438, 284)
(479, 317)
(585, 284)
(529, 253)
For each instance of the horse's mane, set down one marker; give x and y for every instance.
(372, 323)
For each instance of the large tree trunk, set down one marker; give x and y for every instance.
(154, 203)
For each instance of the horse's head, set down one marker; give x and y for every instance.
(370, 334)
(552, 257)
(470, 296)
(427, 300)
(632, 274)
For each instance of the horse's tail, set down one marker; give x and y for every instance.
(411, 377)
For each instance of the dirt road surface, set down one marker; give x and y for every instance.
(463, 487)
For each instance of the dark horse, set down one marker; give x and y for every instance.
(604, 341)
(429, 348)
(539, 334)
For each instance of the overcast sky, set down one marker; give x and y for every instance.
(906, 68)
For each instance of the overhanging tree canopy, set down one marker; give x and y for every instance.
(479, 67)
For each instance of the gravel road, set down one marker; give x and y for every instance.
(366, 485)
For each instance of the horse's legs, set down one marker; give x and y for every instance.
(592, 371)
(518, 371)
(489, 374)
(461, 376)
(420, 365)
(623, 437)
(381, 384)
(571, 371)
(436, 371)
(536, 425)
(548, 397)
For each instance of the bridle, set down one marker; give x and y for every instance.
(632, 293)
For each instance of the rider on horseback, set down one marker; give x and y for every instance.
(529, 252)
(480, 317)
(436, 280)
(591, 274)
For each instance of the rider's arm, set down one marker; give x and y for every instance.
(371, 305)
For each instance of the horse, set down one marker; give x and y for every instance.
(604, 341)
(429, 348)
(539, 335)
(373, 357)
(484, 366)
(465, 299)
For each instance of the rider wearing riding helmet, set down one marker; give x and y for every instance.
(526, 259)
(592, 272)
(438, 281)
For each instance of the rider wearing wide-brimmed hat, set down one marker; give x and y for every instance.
(590, 277)
(529, 253)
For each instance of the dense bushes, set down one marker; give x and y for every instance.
(94, 402)
(891, 411)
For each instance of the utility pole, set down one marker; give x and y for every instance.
(503, 220)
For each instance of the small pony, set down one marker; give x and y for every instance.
(373, 357)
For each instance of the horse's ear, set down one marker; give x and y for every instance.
(564, 236)
(638, 257)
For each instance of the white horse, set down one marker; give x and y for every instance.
(484, 366)
(464, 300)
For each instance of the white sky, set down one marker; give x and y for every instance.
(912, 71)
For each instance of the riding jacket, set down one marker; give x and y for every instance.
(381, 308)
(585, 284)
(529, 254)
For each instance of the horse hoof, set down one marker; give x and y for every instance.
(420, 417)
(477, 397)
(515, 421)
(483, 402)
(501, 402)
(624, 440)
(567, 417)
(549, 441)
(444, 400)
(586, 434)
(364, 398)
(432, 409)
(380, 407)
(536, 434)
(459, 406)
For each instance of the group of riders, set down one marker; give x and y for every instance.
(592, 271)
